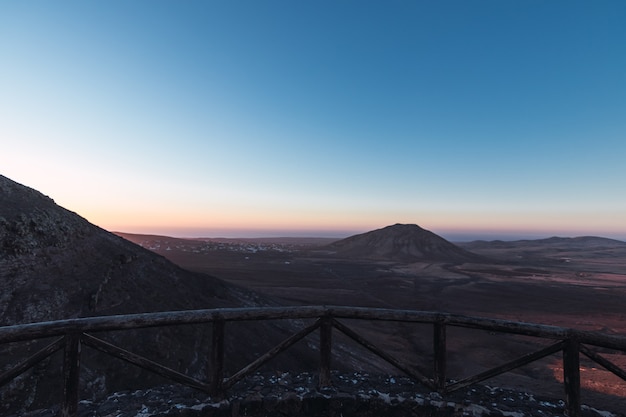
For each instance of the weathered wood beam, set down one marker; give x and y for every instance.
(439, 356)
(135, 321)
(571, 377)
(383, 355)
(23, 366)
(509, 366)
(216, 358)
(71, 375)
(144, 363)
(270, 354)
(32, 331)
(607, 364)
(326, 327)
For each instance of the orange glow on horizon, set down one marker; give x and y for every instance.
(225, 226)
(153, 218)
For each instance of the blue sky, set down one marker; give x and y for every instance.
(244, 118)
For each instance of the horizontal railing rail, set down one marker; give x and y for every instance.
(71, 334)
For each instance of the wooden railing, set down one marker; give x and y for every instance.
(74, 333)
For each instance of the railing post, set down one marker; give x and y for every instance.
(216, 358)
(439, 360)
(71, 374)
(326, 328)
(571, 377)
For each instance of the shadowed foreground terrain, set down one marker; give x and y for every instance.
(355, 394)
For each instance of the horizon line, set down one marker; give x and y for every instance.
(454, 236)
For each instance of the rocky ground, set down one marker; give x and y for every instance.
(356, 394)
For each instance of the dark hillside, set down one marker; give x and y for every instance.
(56, 265)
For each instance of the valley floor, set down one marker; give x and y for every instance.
(582, 288)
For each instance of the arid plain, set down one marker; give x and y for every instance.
(570, 282)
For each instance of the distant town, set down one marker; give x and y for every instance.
(208, 245)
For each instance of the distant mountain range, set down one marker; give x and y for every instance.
(569, 243)
(401, 242)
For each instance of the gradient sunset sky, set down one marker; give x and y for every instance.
(320, 118)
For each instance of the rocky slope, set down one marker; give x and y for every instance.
(401, 242)
(351, 395)
(56, 265)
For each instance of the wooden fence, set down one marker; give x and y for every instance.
(72, 334)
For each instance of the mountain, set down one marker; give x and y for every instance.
(401, 242)
(569, 243)
(56, 265)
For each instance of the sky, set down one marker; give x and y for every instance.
(472, 119)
